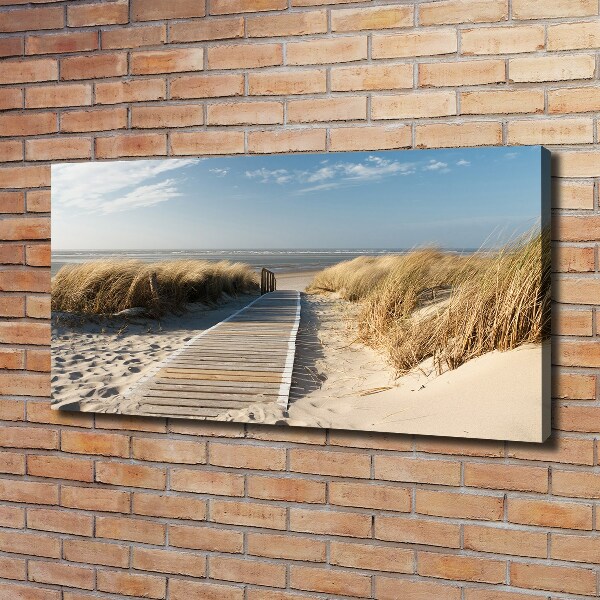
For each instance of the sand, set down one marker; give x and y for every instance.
(95, 362)
(337, 381)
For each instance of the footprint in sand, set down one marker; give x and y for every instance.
(75, 375)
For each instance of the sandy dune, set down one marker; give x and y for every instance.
(337, 381)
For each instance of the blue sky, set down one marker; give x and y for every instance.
(457, 198)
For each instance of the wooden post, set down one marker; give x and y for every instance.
(268, 283)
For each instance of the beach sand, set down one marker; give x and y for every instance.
(337, 381)
(340, 383)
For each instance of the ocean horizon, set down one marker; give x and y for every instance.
(280, 260)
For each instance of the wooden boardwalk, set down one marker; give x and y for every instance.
(244, 359)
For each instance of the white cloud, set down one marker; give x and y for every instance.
(105, 187)
(270, 175)
(463, 163)
(219, 172)
(511, 155)
(436, 165)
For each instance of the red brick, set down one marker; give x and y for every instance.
(207, 86)
(169, 451)
(25, 177)
(31, 544)
(12, 516)
(31, 492)
(94, 66)
(11, 254)
(12, 46)
(207, 142)
(415, 43)
(287, 547)
(129, 529)
(199, 31)
(538, 9)
(461, 568)
(140, 90)
(502, 102)
(157, 10)
(94, 498)
(333, 50)
(96, 553)
(58, 149)
(458, 135)
(573, 386)
(105, 444)
(369, 138)
(387, 588)
(10, 98)
(264, 458)
(38, 255)
(154, 117)
(506, 477)
(11, 410)
(38, 307)
(180, 589)
(573, 100)
(60, 521)
(466, 72)
(384, 17)
(576, 484)
(330, 522)
(286, 488)
(12, 202)
(13, 568)
(572, 259)
(62, 43)
(129, 475)
(551, 68)
(11, 150)
(26, 592)
(171, 507)
(60, 467)
(559, 450)
(132, 584)
(11, 359)
(330, 581)
(26, 281)
(552, 578)
(246, 113)
(38, 201)
(577, 548)
(31, 19)
(39, 438)
(577, 164)
(372, 557)
(162, 561)
(372, 77)
(287, 24)
(252, 514)
(26, 384)
(56, 96)
(337, 464)
(12, 305)
(244, 570)
(166, 61)
(223, 7)
(463, 11)
(134, 37)
(396, 468)
(27, 124)
(93, 120)
(459, 506)
(41, 412)
(29, 70)
(417, 531)
(502, 40)
(244, 56)
(546, 513)
(210, 539)
(207, 482)
(411, 106)
(283, 83)
(577, 354)
(88, 15)
(513, 542)
(142, 144)
(268, 142)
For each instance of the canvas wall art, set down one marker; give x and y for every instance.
(396, 291)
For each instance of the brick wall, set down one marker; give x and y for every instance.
(104, 507)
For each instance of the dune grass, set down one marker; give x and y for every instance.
(451, 308)
(106, 287)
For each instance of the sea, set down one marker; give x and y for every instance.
(279, 261)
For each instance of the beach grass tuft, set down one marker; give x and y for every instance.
(429, 304)
(105, 287)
